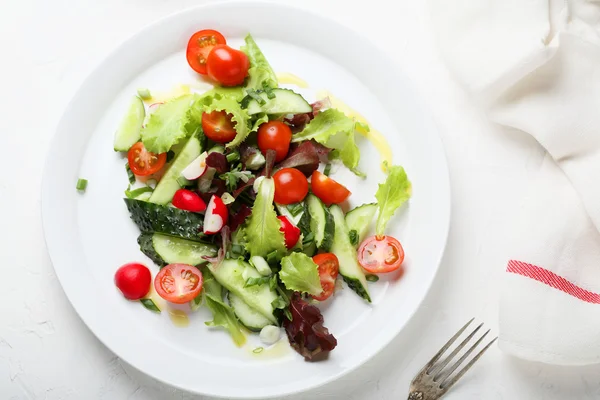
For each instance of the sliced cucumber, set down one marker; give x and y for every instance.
(346, 254)
(169, 183)
(163, 249)
(321, 222)
(285, 102)
(249, 317)
(359, 219)
(151, 218)
(232, 274)
(129, 131)
(283, 210)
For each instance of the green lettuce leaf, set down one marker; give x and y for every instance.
(262, 232)
(169, 124)
(300, 274)
(223, 315)
(332, 128)
(260, 72)
(391, 194)
(239, 116)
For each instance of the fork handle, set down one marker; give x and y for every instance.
(416, 395)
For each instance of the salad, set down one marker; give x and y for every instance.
(231, 192)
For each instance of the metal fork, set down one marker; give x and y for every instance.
(433, 381)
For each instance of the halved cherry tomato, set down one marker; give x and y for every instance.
(329, 191)
(290, 231)
(178, 283)
(142, 162)
(199, 46)
(291, 186)
(218, 127)
(227, 66)
(133, 280)
(274, 135)
(329, 268)
(187, 200)
(380, 254)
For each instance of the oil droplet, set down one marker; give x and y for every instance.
(164, 96)
(179, 318)
(374, 136)
(286, 77)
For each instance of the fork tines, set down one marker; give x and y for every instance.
(436, 370)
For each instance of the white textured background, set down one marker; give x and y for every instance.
(47, 47)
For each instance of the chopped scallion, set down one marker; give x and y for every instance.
(327, 170)
(132, 194)
(81, 184)
(258, 350)
(353, 237)
(232, 157)
(296, 208)
(372, 278)
(254, 94)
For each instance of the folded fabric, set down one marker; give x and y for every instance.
(535, 66)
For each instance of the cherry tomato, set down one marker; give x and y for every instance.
(290, 231)
(187, 200)
(380, 254)
(218, 126)
(274, 135)
(142, 162)
(329, 269)
(227, 66)
(291, 186)
(133, 280)
(178, 283)
(199, 47)
(329, 191)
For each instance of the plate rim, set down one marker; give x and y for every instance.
(442, 168)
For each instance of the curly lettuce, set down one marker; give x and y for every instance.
(333, 129)
(391, 194)
(261, 73)
(299, 273)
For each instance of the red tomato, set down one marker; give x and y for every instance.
(187, 200)
(329, 268)
(218, 127)
(329, 191)
(133, 280)
(178, 283)
(290, 231)
(380, 254)
(227, 66)
(291, 186)
(274, 135)
(142, 162)
(199, 47)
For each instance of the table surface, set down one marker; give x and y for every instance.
(46, 352)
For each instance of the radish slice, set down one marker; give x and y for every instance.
(196, 169)
(216, 216)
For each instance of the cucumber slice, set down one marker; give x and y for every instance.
(346, 254)
(249, 317)
(164, 249)
(167, 220)
(359, 219)
(285, 102)
(321, 222)
(283, 210)
(129, 131)
(169, 183)
(232, 274)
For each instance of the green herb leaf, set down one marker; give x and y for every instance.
(81, 184)
(288, 314)
(279, 303)
(300, 274)
(332, 128)
(223, 315)
(262, 232)
(150, 305)
(372, 278)
(255, 95)
(353, 237)
(169, 124)
(308, 238)
(295, 208)
(390, 195)
(130, 174)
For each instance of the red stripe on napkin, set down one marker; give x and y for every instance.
(553, 280)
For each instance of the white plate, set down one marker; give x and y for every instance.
(89, 235)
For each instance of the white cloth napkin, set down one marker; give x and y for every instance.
(535, 66)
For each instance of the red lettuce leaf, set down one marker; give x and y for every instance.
(305, 157)
(246, 152)
(225, 240)
(298, 121)
(305, 331)
(238, 218)
(243, 187)
(218, 161)
(270, 161)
